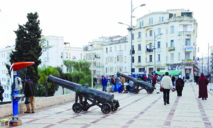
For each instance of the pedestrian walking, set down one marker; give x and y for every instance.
(154, 81)
(112, 81)
(104, 83)
(1, 92)
(211, 83)
(145, 77)
(179, 86)
(173, 80)
(166, 83)
(29, 92)
(203, 82)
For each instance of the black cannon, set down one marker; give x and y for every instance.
(87, 97)
(138, 84)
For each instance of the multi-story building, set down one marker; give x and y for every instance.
(174, 32)
(4, 75)
(211, 60)
(107, 55)
(116, 56)
(204, 65)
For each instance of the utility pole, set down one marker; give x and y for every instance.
(208, 58)
(202, 62)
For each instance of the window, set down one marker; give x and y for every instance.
(172, 57)
(47, 43)
(187, 55)
(117, 58)
(140, 24)
(61, 54)
(172, 43)
(185, 28)
(110, 49)
(133, 59)
(167, 45)
(106, 50)
(139, 35)
(150, 58)
(151, 21)
(158, 44)
(150, 33)
(150, 46)
(106, 60)
(133, 69)
(188, 42)
(158, 57)
(161, 19)
(172, 30)
(141, 69)
(159, 31)
(139, 47)
(125, 59)
(120, 47)
(139, 59)
(132, 36)
(179, 56)
(106, 70)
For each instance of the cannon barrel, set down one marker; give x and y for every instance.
(140, 82)
(81, 89)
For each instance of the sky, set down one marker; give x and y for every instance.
(81, 21)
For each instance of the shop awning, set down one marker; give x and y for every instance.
(175, 73)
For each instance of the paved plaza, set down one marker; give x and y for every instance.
(136, 111)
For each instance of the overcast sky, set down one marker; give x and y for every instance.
(81, 21)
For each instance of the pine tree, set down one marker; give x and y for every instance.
(27, 46)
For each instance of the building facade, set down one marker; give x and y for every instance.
(107, 55)
(4, 75)
(166, 40)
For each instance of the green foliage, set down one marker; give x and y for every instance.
(27, 45)
(44, 72)
(43, 45)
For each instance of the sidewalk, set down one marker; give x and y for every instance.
(136, 111)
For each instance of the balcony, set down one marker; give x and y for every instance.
(149, 50)
(172, 48)
(189, 48)
(133, 52)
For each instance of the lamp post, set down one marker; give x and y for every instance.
(154, 50)
(130, 29)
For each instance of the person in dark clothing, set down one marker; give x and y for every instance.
(179, 86)
(203, 82)
(1, 93)
(104, 83)
(173, 80)
(29, 92)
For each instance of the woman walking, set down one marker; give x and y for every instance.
(179, 86)
(203, 82)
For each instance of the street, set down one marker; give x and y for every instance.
(136, 110)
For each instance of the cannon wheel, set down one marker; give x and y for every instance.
(135, 91)
(149, 91)
(106, 108)
(77, 107)
(115, 107)
(85, 104)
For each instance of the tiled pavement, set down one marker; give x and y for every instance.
(135, 111)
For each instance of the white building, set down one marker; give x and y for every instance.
(107, 55)
(204, 65)
(4, 75)
(175, 48)
(116, 56)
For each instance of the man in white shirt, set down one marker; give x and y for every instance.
(166, 83)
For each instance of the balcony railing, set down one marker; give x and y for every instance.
(172, 48)
(189, 48)
(149, 50)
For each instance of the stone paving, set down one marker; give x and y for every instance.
(136, 111)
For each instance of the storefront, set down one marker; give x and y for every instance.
(188, 69)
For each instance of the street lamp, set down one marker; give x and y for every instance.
(154, 50)
(130, 28)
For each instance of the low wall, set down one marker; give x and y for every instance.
(43, 102)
